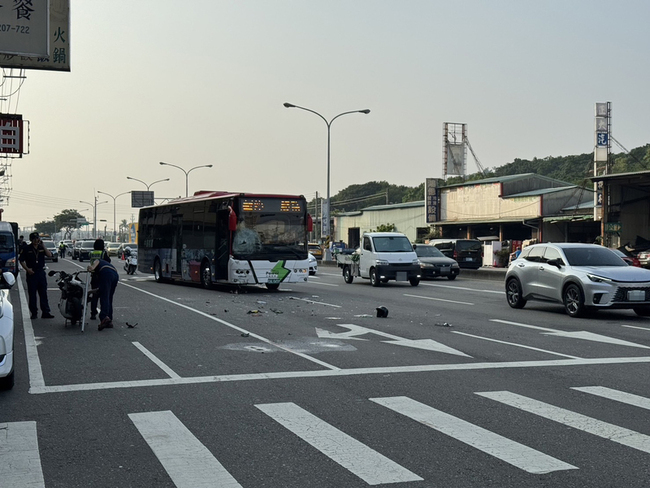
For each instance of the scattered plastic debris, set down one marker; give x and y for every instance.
(382, 312)
(256, 312)
(245, 334)
(363, 316)
(443, 324)
(275, 310)
(261, 302)
(131, 326)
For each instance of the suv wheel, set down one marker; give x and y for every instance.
(574, 301)
(374, 279)
(514, 294)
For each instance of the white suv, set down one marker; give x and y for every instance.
(6, 333)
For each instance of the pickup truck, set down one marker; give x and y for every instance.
(383, 256)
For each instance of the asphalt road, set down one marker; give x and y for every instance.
(306, 387)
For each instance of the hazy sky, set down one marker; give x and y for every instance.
(203, 82)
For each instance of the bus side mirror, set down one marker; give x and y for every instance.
(232, 221)
(310, 223)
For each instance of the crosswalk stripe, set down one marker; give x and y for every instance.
(619, 396)
(578, 421)
(507, 450)
(361, 460)
(187, 461)
(20, 462)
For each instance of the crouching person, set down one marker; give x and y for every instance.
(106, 278)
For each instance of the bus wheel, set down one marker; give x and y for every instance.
(157, 271)
(206, 276)
(273, 286)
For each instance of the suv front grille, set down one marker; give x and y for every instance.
(621, 293)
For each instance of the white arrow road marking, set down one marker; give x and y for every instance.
(187, 461)
(590, 336)
(635, 327)
(519, 455)
(515, 344)
(357, 330)
(578, 421)
(359, 459)
(581, 334)
(20, 462)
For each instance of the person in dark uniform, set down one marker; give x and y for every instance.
(98, 253)
(32, 258)
(107, 279)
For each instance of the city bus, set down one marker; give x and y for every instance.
(229, 238)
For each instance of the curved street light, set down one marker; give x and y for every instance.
(187, 173)
(326, 217)
(114, 200)
(149, 185)
(94, 206)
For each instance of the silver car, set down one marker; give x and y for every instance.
(581, 276)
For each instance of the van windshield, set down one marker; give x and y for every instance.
(6, 242)
(392, 244)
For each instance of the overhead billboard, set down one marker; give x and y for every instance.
(24, 27)
(57, 55)
(141, 198)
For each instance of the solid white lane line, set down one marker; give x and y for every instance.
(36, 379)
(20, 462)
(324, 284)
(187, 461)
(315, 302)
(359, 459)
(578, 421)
(616, 395)
(156, 361)
(519, 455)
(528, 326)
(553, 363)
(516, 345)
(233, 326)
(454, 288)
(438, 299)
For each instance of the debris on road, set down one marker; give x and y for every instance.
(443, 324)
(131, 326)
(382, 312)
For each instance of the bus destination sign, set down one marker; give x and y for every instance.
(271, 205)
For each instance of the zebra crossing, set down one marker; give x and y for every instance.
(189, 463)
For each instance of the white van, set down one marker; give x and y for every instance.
(383, 256)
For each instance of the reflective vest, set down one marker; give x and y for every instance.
(95, 255)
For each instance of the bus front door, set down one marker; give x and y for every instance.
(222, 245)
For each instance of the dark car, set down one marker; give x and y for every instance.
(85, 249)
(468, 253)
(433, 263)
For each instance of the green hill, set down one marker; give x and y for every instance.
(572, 169)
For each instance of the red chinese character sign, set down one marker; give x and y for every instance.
(11, 134)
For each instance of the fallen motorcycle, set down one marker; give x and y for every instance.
(74, 294)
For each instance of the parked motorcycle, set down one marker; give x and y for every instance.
(73, 291)
(130, 260)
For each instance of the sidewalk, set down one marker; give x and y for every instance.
(484, 273)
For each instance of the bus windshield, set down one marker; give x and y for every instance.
(270, 236)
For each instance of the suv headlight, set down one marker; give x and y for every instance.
(599, 279)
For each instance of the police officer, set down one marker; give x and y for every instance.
(97, 253)
(32, 258)
(107, 279)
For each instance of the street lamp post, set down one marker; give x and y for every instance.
(94, 206)
(149, 185)
(326, 213)
(114, 200)
(187, 173)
